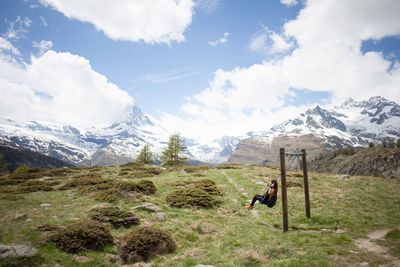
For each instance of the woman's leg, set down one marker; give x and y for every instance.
(255, 198)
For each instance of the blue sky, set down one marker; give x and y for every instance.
(227, 67)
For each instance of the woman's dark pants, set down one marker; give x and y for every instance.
(255, 198)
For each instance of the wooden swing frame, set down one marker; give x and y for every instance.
(283, 185)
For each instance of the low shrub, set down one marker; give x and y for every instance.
(293, 184)
(11, 181)
(114, 215)
(229, 166)
(297, 174)
(33, 186)
(96, 187)
(204, 184)
(191, 197)
(211, 189)
(132, 165)
(148, 172)
(144, 186)
(110, 195)
(86, 175)
(84, 182)
(21, 169)
(143, 243)
(49, 227)
(37, 260)
(60, 172)
(81, 236)
(26, 175)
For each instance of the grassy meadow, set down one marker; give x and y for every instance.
(227, 234)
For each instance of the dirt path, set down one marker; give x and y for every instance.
(369, 245)
(240, 189)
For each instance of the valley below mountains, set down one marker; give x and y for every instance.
(319, 130)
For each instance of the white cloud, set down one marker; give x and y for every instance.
(6, 46)
(43, 46)
(279, 43)
(208, 5)
(157, 21)
(169, 76)
(18, 28)
(59, 87)
(259, 43)
(269, 42)
(327, 58)
(221, 40)
(289, 3)
(43, 20)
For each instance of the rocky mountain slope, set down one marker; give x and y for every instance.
(319, 131)
(15, 156)
(375, 161)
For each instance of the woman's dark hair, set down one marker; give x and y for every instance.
(274, 182)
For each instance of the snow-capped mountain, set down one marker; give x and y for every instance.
(121, 141)
(217, 151)
(356, 123)
(318, 130)
(117, 144)
(352, 124)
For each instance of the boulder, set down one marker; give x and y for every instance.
(19, 216)
(161, 216)
(17, 251)
(81, 259)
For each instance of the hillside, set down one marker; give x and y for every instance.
(37, 206)
(15, 156)
(375, 161)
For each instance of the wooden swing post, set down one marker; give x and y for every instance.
(284, 195)
(305, 178)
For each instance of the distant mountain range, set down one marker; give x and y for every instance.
(318, 130)
(114, 145)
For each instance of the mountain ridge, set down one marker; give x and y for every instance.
(319, 129)
(353, 124)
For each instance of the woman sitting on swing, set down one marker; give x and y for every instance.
(268, 198)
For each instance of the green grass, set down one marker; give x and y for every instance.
(226, 234)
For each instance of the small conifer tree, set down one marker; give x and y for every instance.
(384, 143)
(145, 156)
(172, 154)
(398, 143)
(371, 144)
(21, 169)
